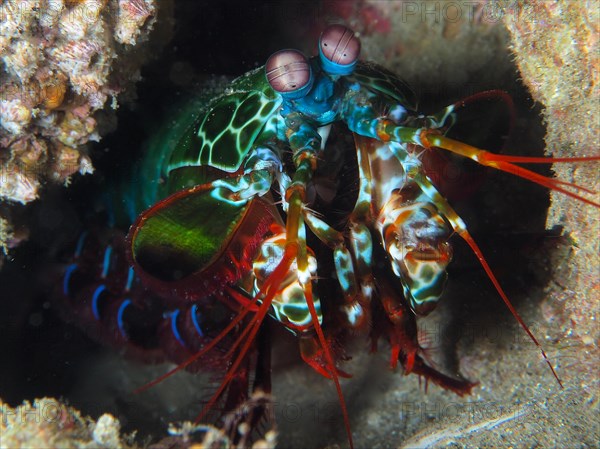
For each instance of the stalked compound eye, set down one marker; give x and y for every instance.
(339, 49)
(289, 74)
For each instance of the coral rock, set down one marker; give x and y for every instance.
(62, 62)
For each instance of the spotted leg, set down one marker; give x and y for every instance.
(352, 261)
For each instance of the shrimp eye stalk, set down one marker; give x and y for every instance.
(339, 50)
(289, 74)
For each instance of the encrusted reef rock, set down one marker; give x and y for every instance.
(557, 52)
(62, 62)
(48, 423)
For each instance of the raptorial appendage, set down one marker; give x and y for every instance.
(415, 236)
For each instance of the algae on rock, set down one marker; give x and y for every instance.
(556, 47)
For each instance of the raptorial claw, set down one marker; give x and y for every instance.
(415, 236)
